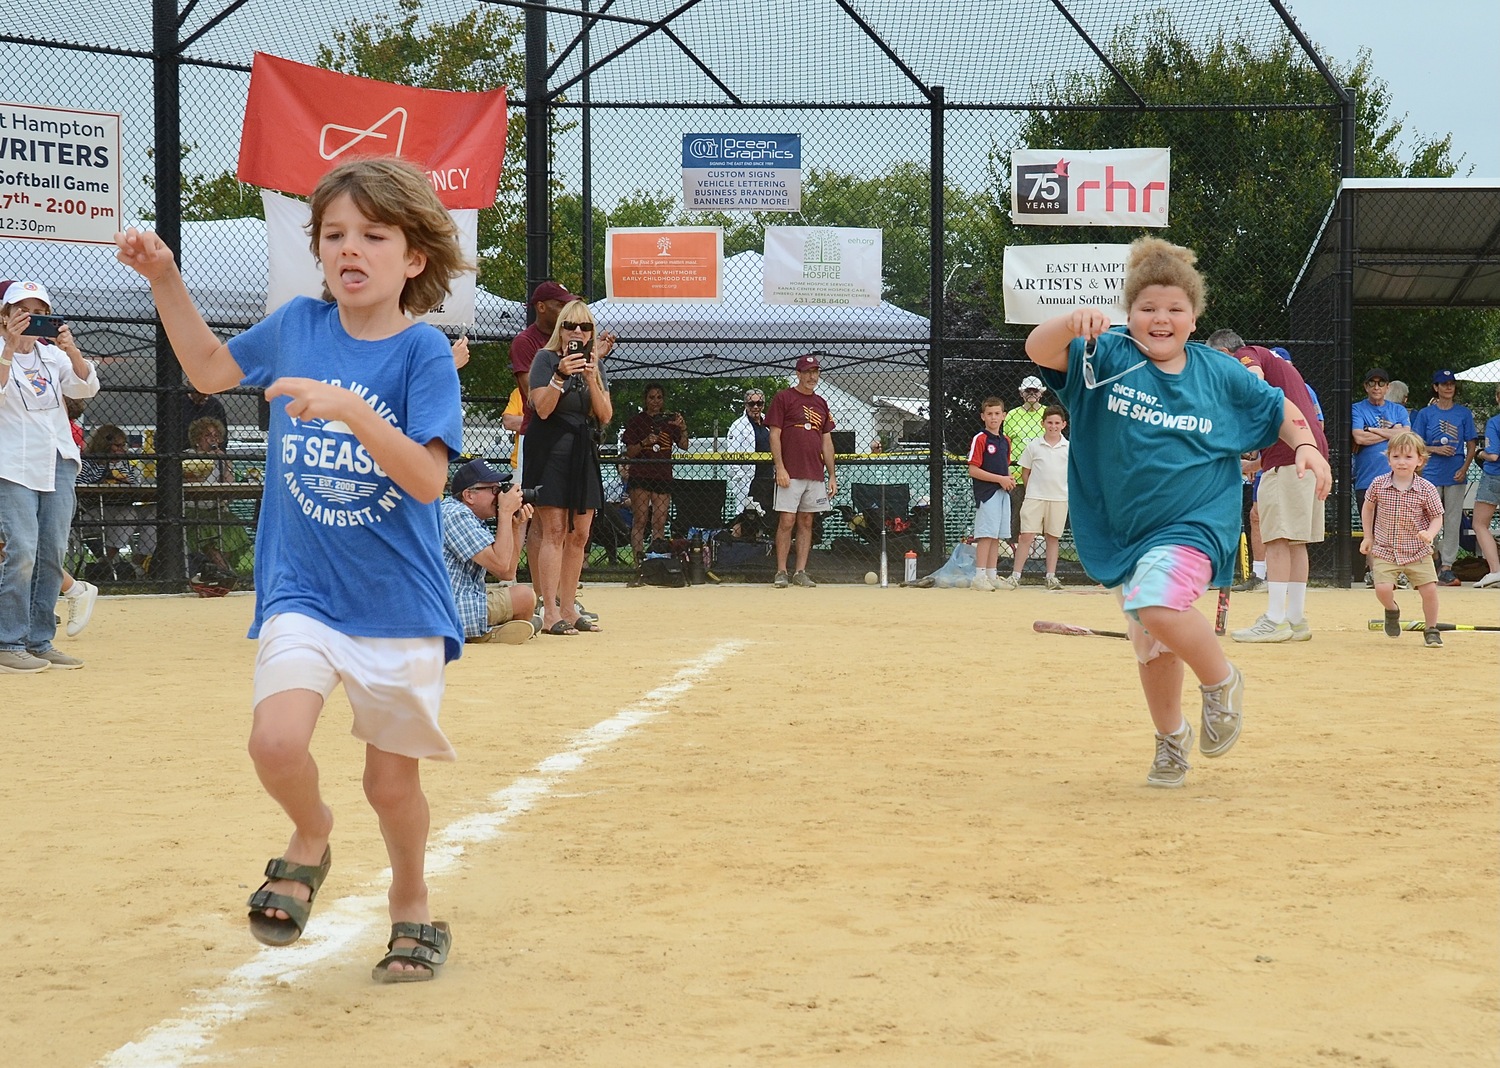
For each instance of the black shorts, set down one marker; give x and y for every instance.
(650, 485)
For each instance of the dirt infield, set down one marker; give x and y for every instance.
(845, 826)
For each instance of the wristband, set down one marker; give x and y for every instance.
(1306, 445)
(6, 361)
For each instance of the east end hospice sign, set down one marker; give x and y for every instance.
(742, 172)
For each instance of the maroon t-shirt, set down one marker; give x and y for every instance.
(523, 350)
(659, 436)
(803, 419)
(1281, 374)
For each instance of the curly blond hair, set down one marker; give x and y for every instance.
(394, 192)
(1154, 262)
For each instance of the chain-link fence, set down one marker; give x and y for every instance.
(907, 114)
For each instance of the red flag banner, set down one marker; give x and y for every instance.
(302, 121)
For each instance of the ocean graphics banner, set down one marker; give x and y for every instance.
(742, 172)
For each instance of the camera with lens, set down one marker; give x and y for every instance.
(528, 493)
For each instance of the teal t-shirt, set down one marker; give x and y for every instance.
(1154, 458)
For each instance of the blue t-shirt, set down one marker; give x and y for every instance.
(1455, 427)
(1154, 458)
(1492, 445)
(1369, 460)
(338, 540)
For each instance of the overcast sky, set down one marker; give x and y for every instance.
(1439, 58)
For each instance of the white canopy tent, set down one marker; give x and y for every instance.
(110, 310)
(742, 335)
(1485, 372)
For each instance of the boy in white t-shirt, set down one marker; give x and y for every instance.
(1044, 470)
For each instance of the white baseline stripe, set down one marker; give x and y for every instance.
(183, 1039)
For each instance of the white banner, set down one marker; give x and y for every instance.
(1113, 187)
(822, 265)
(1042, 281)
(59, 174)
(292, 271)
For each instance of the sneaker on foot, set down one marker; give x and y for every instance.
(982, 582)
(1171, 765)
(1393, 622)
(1369, 580)
(57, 659)
(80, 606)
(1448, 578)
(19, 662)
(1264, 630)
(1432, 637)
(1007, 582)
(801, 579)
(781, 582)
(1301, 632)
(1222, 714)
(1401, 582)
(1253, 584)
(1492, 579)
(1054, 583)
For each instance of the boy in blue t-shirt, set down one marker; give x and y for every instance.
(349, 576)
(1452, 440)
(1154, 480)
(1487, 499)
(989, 467)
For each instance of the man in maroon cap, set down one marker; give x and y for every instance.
(802, 450)
(547, 299)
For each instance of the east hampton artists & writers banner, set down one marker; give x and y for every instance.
(302, 121)
(1042, 281)
(1112, 187)
(59, 174)
(838, 265)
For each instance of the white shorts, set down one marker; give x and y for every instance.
(803, 495)
(394, 685)
(992, 518)
(1044, 517)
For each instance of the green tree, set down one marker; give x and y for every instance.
(1249, 187)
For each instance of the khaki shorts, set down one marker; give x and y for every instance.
(394, 685)
(1289, 507)
(1045, 517)
(1419, 572)
(497, 598)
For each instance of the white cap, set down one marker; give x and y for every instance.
(19, 291)
(1032, 382)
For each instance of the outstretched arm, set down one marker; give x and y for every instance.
(204, 358)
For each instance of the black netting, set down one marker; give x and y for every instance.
(873, 88)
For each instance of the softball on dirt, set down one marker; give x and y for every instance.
(871, 578)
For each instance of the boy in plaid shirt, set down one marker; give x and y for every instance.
(1402, 515)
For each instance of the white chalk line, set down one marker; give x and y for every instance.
(182, 1040)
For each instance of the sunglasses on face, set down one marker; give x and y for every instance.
(587, 328)
(755, 404)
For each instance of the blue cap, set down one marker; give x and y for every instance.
(1439, 377)
(1283, 353)
(477, 473)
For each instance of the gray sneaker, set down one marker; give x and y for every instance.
(1264, 630)
(801, 579)
(57, 659)
(781, 582)
(1402, 583)
(1223, 714)
(1301, 632)
(1170, 767)
(1431, 637)
(14, 662)
(1253, 584)
(1054, 583)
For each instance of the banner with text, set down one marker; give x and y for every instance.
(59, 174)
(822, 265)
(1042, 281)
(1112, 187)
(664, 264)
(301, 122)
(292, 271)
(742, 172)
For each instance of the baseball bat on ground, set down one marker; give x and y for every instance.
(1417, 624)
(1042, 626)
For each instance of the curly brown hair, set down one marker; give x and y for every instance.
(1154, 262)
(394, 192)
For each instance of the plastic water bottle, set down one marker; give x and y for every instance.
(911, 566)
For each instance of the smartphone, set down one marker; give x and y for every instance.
(585, 347)
(43, 326)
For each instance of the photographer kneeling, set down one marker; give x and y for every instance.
(494, 612)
